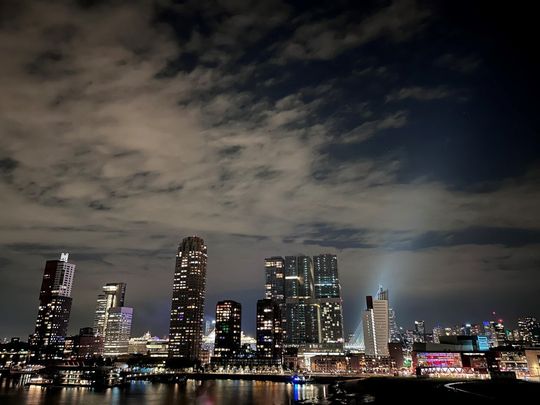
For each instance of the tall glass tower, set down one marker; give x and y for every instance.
(54, 309)
(328, 297)
(187, 308)
(112, 320)
(113, 296)
(302, 324)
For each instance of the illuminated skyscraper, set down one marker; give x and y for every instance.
(420, 331)
(395, 335)
(47, 342)
(228, 329)
(113, 296)
(529, 330)
(187, 308)
(117, 331)
(275, 279)
(302, 310)
(376, 326)
(269, 331)
(274, 268)
(328, 297)
(112, 321)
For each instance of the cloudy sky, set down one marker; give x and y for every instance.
(402, 136)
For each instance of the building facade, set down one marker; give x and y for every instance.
(118, 331)
(187, 308)
(113, 296)
(328, 297)
(529, 330)
(302, 317)
(269, 331)
(228, 329)
(376, 325)
(112, 321)
(54, 310)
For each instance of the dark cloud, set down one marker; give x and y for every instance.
(508, 237)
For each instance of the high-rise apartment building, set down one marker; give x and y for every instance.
(269, 331)
(228, 329)
(529, 330)
(275, 279)
(328, 297)
(395, 335)
(308, 292)
(54, 309)
(187, 308)
(302, 325)
(274, 269)
(376, 325)
(420, 331)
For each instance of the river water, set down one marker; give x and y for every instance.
(235, 392)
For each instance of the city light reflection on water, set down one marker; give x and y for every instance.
(209, 392)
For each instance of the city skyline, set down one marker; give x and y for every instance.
(398, 134)
(324, 282)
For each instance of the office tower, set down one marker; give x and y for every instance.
(112, 322)
(302, 311)
(529, 330)
(476, 329)
(275, 279)
(113, 296)
(376, 327)
(420, 331)
(274, 268)
(328, 297)
(438, 331)
(187, 307)
(117, 331)
(228, 329)
(47, 342)
(269, 332)
(395, 335)
(498, 333)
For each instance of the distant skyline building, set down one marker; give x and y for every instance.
(228, 329)
(112, 320)
(275, 279)
(269, 331)
(395, 335)
(187, 306)
(529, 330)
(117, 331)
(113, 296)
(308, 291)
(420, 331)
(54, 309)
(437, 332)
(328, 297)
(302, 324)
(376, 324)
(274, 269)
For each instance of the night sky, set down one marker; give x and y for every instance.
(401, 135)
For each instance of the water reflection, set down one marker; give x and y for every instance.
(235, 392)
